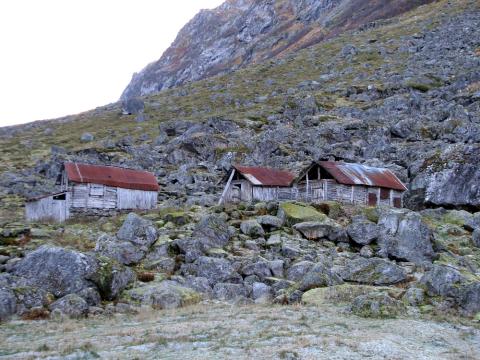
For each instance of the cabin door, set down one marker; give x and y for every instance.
(372, 199)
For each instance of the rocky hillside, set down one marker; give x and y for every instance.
(242, 32)
(404, 94)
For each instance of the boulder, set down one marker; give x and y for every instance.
(315, 230)
(319, 275)
(138, 231)
(455, 186)
(229, 292)
(215, 270)
(252, 228)
(343, 294)
(270, 221)
(450, 283)
(71, 305)
(414, 296)
(293, 213)
(260, 268)
(57, 270)
(366, 252)
(86, 137)
(212, 232)
(405, 236)
(377, 305)
(372, 271)
(261, 293)
(298, 270)
(111, 277)
(362, 231)
(124, 252)
(473, 223)
(163, 295)
(8, 304)
(277, 268)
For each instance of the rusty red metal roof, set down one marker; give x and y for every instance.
(263, 176)
(356, 174)
(111, 176)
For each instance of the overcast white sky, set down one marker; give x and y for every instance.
(61, 57)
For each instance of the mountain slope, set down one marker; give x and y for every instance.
(242, 32)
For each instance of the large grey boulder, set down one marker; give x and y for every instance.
(455, 186)
(215, 270)
(261, 268)
(270, 221)
(473, 223)
(229, 292)
(320, 275)
(450, 283)
(261, 293)
(164, 295)
(405, 236)
(111, 277)
(252, 228)
(71, 305)
(133, 240)
(298, 270)
(122, 251)
(377, 305)
(362, 231)
(57, 270)
(8, 304)
(316, 230)
(212, 232)
(373, 271)
(138, 231)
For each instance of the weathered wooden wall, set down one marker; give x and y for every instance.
(95, 196)
(136, 199)
(47, 209)
(316, 191)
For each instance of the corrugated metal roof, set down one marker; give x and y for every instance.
(356, 174)
(263, 176)
(111, 176)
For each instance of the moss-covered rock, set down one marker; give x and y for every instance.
(294, 213)
(344, 294)
(111, 277)
(377, 305)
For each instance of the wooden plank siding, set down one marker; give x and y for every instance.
(47, 209)
(136, 199)
(316, 191)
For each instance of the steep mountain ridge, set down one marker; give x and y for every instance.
(242, 32)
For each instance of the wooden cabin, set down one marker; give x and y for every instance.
(349, 183)
(94, 189)
(321, 181)
(250, 184)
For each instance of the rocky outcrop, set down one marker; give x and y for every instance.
(373, 272)
(57, 270)
(405, 236)
(242, 32)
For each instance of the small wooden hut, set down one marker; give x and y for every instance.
(248, 184)
(94, 189)
(349, 183)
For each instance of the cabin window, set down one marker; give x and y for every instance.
(96, 190)
(60, 197)
(384, 194)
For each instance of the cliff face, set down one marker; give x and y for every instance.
(242, 32)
